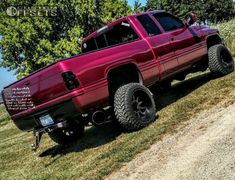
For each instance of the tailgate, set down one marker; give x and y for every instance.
(35, 89)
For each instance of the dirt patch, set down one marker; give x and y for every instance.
(204, 149)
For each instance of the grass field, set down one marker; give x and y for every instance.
(105, 149)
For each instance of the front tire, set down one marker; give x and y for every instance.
(134, 106)
(220, 60)
(67, 135)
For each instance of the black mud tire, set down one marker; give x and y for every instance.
(134, 106)
(68, 135)
(220, 60)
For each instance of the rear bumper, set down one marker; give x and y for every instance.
(58, 112)
(68, 106)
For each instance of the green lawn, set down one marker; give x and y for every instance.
(105, 149)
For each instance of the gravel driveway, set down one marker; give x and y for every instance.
(203, 149)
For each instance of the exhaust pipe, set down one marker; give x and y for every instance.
(98, 117)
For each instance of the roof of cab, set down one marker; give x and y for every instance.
(119, 20)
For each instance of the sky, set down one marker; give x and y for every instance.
(131, 2)
(7, 77)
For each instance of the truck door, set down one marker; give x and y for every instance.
(185, 40)
(160, 44)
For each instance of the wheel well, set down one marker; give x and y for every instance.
(121, 75)
(213, 40)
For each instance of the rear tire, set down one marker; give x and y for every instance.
(134, 106)
(220, 60)
(67, 135)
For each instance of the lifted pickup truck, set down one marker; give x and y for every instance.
(117, 64)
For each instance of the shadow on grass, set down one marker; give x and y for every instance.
(97, 136)
(93, 137)
(181, 89)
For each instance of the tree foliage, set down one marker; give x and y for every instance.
(213, 10)
(28, 43)
(137, 6)
(31, 42)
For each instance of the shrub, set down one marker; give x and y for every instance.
(227, 30)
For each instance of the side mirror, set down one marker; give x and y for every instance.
(190, 18)
(186, 24)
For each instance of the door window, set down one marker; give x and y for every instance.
(149, 25)
(168, 21)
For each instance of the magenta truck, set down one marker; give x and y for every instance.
(112, 74)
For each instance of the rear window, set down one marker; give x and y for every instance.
(118, 34)
(100, 40)
(90, 45)
(121, 33)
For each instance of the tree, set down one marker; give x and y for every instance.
(214, 10)
(175, 7)
(137, 7)
(219, 10)
(31, 42)
(152, 5)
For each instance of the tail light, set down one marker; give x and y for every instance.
(70, 80)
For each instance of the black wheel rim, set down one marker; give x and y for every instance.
(226, 60)
(142, 105)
